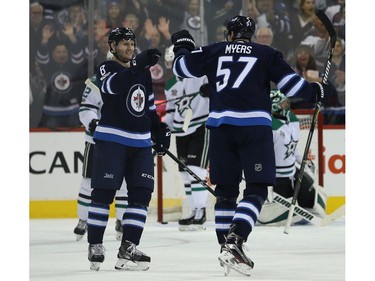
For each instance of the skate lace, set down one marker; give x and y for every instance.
(133, 251)
(81, 224)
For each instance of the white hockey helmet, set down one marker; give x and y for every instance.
(169, 57)
(280, 103)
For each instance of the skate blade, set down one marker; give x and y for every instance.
(192, 227)
(123, 264)
(95, 265)
(229, 262)
(118, 236)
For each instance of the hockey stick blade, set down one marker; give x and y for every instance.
(332, 36)
(299, 211)
(328, 25)
(306, 215)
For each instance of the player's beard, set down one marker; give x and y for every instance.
(124, 55)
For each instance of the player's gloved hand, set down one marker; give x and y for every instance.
(161, 139)
(182, 40)
(145, 59)
(204, 90)
(92, 125)
(322, 91)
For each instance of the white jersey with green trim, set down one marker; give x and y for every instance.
(286, 134)
(184, 96)
(90, 107)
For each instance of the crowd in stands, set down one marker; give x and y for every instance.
(61, 52)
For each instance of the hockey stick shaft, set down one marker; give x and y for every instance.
(332, 35)
(190, 172)
(159, 102)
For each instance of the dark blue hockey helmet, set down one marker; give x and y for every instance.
(242, 27)
(121, 33)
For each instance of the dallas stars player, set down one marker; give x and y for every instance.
(286, 133)
(186, 115)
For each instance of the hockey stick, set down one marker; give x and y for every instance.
(159, 102)
(186, 169)
(306, 215)
(332, 34)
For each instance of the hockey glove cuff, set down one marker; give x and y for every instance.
(182, 40)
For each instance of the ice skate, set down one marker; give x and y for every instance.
(80, 229)
(96, 256)
(233, 257)
(119, 230)
(185, 224)
(130, 258)
(199, 220)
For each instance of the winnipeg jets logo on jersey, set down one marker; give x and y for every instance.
(61, 82)
(184, 104)
(194, 22)
(290, 147)
(136, 100)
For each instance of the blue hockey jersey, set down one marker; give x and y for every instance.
(239, 74)
(128, 114)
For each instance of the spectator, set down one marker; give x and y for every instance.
(220, 33)
(114, 17)
(305, 65)
(264, 36)
(171, 10)
(217, 13)
(77, 17)
(273, 14)
(192, 22)
(64, 69)
(318, 39)
(35, 34)
(334, 8)
(301, 20)
(338, 22)
(337, 71)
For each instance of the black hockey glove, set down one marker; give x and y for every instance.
(204, 90)
(161, 139)
(182, 40)
(145, 60)
(92, 125)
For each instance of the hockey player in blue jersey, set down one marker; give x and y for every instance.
(239, 74)
(128, 128)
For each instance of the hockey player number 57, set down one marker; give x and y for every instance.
(222, 71)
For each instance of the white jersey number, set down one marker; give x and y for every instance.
(222, 71)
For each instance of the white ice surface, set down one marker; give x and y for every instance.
(306, 253)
